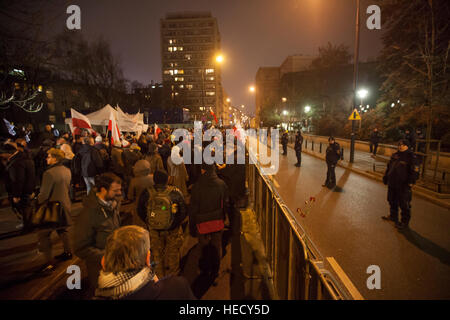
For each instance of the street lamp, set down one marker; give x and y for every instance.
(251, 89)
(307, 109)
(283, 99)
(362, 93)
(228, 100)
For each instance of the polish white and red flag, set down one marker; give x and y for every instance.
(114, 128)
(80, 121)
(157, 131)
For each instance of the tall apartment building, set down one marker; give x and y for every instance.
(190, 41)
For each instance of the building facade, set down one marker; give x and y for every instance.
(189, 44)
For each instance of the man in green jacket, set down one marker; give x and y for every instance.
(98, 219)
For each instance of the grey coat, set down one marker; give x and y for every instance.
(55, 187)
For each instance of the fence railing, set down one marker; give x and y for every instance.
(296, 266)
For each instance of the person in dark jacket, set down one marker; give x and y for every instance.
(374, 140)
(165, 151)
(298, 148)
(127, 273)
(55, 187)
(40, 159)
(97, 220)
(209, 202)
(19, 180)
(410, 136)
(91, 162)
(48, 134)
(401, 173)
(166, 243)
(284, 142)
(154, 158)
(333, 155)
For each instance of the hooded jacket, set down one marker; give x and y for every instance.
(91, 161)
(142, 180)
(93, 226)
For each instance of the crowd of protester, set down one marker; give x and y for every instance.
(124, 262)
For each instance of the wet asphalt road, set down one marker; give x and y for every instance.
(346, 224)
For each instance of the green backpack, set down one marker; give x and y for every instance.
(160, 209)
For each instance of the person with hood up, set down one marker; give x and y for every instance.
(143, 179)
(154, 158)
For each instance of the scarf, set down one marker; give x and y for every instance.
(118, 285)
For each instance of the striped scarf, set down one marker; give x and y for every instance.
(118, 285)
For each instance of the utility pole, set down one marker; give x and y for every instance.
(355, 81)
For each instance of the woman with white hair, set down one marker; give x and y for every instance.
(127, 272)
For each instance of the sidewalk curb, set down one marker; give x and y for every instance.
(415, 189)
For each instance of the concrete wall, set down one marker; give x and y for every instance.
(383, 149)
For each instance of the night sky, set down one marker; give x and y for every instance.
(254, 33)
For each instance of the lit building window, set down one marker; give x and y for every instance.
(170, 49)
(170, 41)
(39, 88)
(210, 93)
(176, 93)
(179, 79)
(174, 49)
(210, 78)
(181, 86)
(180, 48)
(166, 71)
(207, 71)
(188, 56)
(189, 86)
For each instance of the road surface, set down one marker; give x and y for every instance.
(346, 224)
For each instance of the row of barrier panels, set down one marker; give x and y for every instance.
(296, 266)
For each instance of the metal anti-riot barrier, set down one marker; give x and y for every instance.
(295, 264)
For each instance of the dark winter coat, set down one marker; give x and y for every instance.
(333, 153)
(93, 226)
(209, 199)
(91, 161)
(298, 142)
(20, 175)
(401, 170)
(169, 288)
(375, 137)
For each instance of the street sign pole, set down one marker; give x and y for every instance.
(352, 143)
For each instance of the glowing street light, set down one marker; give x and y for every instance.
(228, 100)
(283, 99)
(362, 93)
(251, 89)
(219, 58)
(285, 113)
(307, 109)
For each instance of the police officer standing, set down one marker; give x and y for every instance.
(333, 154)
(401, 173)
(284, 142)
(298, 148)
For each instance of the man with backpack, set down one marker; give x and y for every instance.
(163, 209)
